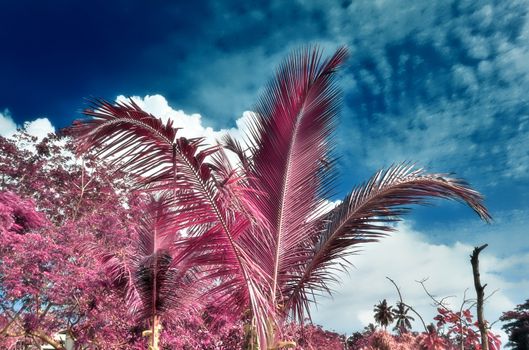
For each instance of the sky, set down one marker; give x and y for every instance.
(439, 83)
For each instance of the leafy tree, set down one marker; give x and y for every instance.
(46, 284)
(370, 328)
(258, 228)
(517, 326)
(310, 336)
(461, 328)
(52, 208)
(357, 340)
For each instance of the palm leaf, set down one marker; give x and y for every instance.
(366, 215)
(294, 120)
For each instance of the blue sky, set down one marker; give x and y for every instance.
(440, 83)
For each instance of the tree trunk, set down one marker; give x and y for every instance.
(155, 333)
(474, 260)
(250, 335)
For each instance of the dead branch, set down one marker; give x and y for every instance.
(480, 291)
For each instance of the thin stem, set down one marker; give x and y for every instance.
(408, 306)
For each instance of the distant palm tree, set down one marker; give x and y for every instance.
(383, 314)
(370, 329)
(402, 319)
(258, 229)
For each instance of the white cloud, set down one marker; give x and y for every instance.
(7, 125)
(39, 127)
(407, 256)
(191, 124)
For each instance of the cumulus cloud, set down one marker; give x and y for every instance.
(39, 127)
(191, 124)
(7, 125)
(408, 256)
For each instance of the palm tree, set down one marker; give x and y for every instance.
(369, 329)
(383, 313)
(257, 228)
(402, 319)
(144, 270)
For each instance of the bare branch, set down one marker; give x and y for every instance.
(439, 303)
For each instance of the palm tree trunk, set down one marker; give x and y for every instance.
(276, 344)
(154, 338)
(250, 335)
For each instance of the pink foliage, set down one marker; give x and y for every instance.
(311, 337)
(18, 215)
(454, 329)
(47, 284)
(50, 213)
(461, 325)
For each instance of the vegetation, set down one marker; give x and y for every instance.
(517, 326)
(384, 314)
(402, 319)
(205, 252)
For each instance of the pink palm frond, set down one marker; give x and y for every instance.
(365, 216)
(128, 136)
(292, 131)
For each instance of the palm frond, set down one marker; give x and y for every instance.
(128, 136)
(120, 269)
(366, 215)
(243, 155)
(294, 121)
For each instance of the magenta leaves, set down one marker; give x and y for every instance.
(463, 329)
